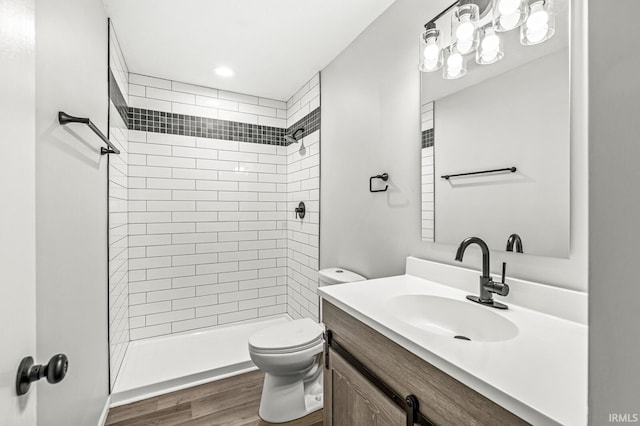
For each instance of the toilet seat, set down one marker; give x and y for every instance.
(293, 336)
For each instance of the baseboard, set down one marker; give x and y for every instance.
(105, 412)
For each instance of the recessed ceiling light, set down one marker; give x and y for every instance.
(224, 71)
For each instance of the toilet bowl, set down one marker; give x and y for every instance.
(290, 356)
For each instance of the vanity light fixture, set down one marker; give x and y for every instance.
(476, 26)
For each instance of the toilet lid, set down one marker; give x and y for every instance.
(290, 335)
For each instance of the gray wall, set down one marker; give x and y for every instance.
(371, 124)
(614, 203)
(71, 208)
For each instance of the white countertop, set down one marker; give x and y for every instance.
(539, 375)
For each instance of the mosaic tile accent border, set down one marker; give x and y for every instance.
(188, 125)
(310, 123)
(428, 138)
(115, 95)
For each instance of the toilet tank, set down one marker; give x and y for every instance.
(330, 276)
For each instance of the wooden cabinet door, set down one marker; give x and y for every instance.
(351, 400)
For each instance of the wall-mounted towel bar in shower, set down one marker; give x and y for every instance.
(508, 169)
(64, 118)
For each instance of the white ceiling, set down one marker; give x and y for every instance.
(274, 46)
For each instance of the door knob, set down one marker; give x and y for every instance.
(54, 371)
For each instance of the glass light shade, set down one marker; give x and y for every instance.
(509, 14)
(430, 50)
(455, 64)
(490, 48)
(464, 27)
(540, 24)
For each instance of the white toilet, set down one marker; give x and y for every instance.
(289, 355)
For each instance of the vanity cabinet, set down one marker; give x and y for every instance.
(353, 400)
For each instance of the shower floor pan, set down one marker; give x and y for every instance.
(166, 364)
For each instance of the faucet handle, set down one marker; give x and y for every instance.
(501, 289)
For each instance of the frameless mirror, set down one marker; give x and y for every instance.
(511, 115)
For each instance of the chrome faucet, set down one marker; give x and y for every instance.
(514, 240)
(487, 286)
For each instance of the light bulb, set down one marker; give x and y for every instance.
(465, 29)
(538, 18)
(508, 7)
(536, 35)
(454, 60)
(464, 46)
(490, 42)
(454, 72)
(489, 55)
(509, 22)
(431, 52)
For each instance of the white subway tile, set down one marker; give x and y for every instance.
(272, 121)
(175, 271)
(164, 295)
(196, 280)
(185, 163)
(196, 90)
(149, 308)
(210, 102)
(237, 296)
(152, 104)
(216, 247)
(194, 174)
(173, 249)
(145, 80)
(168, 139)
(257, 110)
(137, 90)
(237, 316)
(239, 97)
(209, 185)
(194, 259)
(168, 317)
(179, 151)
(194, 238)
(216, 289)
(192, 324)
(237, 116)
(170, 228)
(194, 216)
(217, 164)
(149, 285)
(145, 332)
(198, 111)
(150, 217)
(171, 96)
(148, 240)
(145, 171)
(237, 216)
(155, 183)
(216, 309)
(172, 206)
(272, 103)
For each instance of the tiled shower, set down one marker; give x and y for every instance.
(202, 199)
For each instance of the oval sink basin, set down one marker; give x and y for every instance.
(461, 319)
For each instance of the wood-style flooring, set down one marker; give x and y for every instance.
(229, 402)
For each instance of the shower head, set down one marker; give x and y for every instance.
(293, 138)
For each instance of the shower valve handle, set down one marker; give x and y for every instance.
(300, 210)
